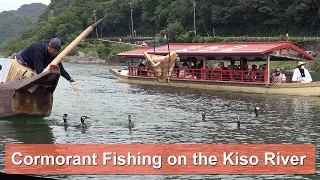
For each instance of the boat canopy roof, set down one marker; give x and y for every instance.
(254, 51)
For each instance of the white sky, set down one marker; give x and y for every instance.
(7, 5)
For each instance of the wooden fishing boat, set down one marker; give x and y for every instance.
(28, 93)
(31, 95)
(202, 77)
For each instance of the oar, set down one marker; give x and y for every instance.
(74, 43)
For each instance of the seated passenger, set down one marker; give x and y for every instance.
(175, 72)
(278, 77)
(252, 75)
(232, 66)
(301, 74)
(260, 75)
(225, 74)
(141, 70)
(184, 72)
(254, 67)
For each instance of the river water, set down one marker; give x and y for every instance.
(163, 115)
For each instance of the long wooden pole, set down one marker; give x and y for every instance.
(268, 68)
(74, 43)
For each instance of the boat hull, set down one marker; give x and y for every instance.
(294, 89)
(32, 96)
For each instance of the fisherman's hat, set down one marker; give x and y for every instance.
(55, 43)
(301, 63)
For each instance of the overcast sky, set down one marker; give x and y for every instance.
(6, 5)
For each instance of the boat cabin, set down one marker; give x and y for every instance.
(231, 60)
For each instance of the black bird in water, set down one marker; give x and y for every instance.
(204, 116)
(65, 119)
(82, 119)
(238, 122)
(65, 116)
(256, 111)
(130, 123)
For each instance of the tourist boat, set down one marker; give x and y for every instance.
(202, 77)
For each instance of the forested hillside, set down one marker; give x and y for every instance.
(237, 17)
(14, 22)
(67, 18)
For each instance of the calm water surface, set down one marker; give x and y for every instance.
(163, 115)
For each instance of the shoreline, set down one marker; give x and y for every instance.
(89, 58)
(93, 58)
(81, 60)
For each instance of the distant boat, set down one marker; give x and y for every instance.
(202, 77)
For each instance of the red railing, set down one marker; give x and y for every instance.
(220, 75)
(258, 76)
(140, 71)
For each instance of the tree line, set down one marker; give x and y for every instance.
(66, 19)
(14, 22)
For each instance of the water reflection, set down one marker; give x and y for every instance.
(24, 129)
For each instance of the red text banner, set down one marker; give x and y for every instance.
(160, 159)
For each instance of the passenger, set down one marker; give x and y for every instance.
(243, 65)
(194, 62)
(197, 72)
(251, 76)
(220, 66)
(254, 67)
(191, 74)
(142, 70)
(278, 77)
(175, 72)
(301, 74)
(240, 75)
(260, 75)
(232, 66)
(263, 67)
(245, 69)
(225, 75)
(184, 72)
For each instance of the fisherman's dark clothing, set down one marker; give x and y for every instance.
(38, 58)
(302, 73)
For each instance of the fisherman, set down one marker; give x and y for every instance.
(301, 74)
(39, 55)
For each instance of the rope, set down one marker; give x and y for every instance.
(74, 88)
(169, 56)
(84, 99)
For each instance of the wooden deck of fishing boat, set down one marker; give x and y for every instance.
(204, 78)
